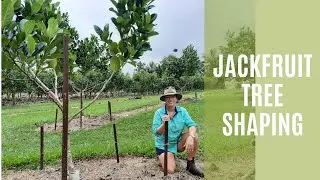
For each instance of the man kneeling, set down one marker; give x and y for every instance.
(177, 117)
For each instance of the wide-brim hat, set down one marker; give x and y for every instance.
(170, 91)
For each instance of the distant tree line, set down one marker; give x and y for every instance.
(185, 73)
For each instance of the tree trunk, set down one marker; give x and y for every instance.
(81, 106)
(13, 98)
(73, 174)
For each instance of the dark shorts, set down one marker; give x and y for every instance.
(160, 151)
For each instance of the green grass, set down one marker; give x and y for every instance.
(227, 157)
(20, 143)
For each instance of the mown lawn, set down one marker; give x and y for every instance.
(20, 141)
(226, 157)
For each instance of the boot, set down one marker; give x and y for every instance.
(191, 167)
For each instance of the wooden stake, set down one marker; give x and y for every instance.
(65, 109)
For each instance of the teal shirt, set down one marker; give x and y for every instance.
(176, 126)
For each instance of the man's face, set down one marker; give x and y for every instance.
(171, 100)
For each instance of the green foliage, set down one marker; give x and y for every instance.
(89, 55)
(13, 81)
(7, 12)
(135, 26)
(191, 61)
(173, 66)
(242, 42)
(35, 34)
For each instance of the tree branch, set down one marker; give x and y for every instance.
(55, 83)
(95, 98)
(53, 96)
(74, 88)
(92, 88)
(85, 89)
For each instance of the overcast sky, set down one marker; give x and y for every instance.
(179, 22)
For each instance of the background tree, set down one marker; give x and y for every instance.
(191, 61)
(242, 42)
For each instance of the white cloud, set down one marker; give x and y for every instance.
(179, 23)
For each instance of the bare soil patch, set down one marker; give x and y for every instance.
(130, 167)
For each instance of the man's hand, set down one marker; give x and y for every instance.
(189, 144)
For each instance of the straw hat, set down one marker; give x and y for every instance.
(170, 91)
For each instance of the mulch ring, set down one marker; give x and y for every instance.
(130, 167)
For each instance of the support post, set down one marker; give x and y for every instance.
(55, 121)
(65, 109)
(166, 149)
(114, 132)
(41, 148)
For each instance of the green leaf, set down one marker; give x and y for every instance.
(149, 27)
(27, 10)
(115, 63)
(105, 33)
(153, 33)
(105, 37)
(73, 57)
(52, 63)
(136, 17)
(42, 27)
(7, 12)
(114, 48)
(121, 59)
(21, 36)
(57, 42)
(98, 30)
(114, 20)
(38, 17)
(56, 55)
(111, 9)
(28, 26)
(52, 27)
(132, 51)
(114, 3)
(59, 18)
(122, 46)
(17, 5)
(153, 17)
(13, 44)
(31, 43)
(5, 61)
(150, 7)
(148, 18)
(5, 40)
(36, 6)
(120, 20)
